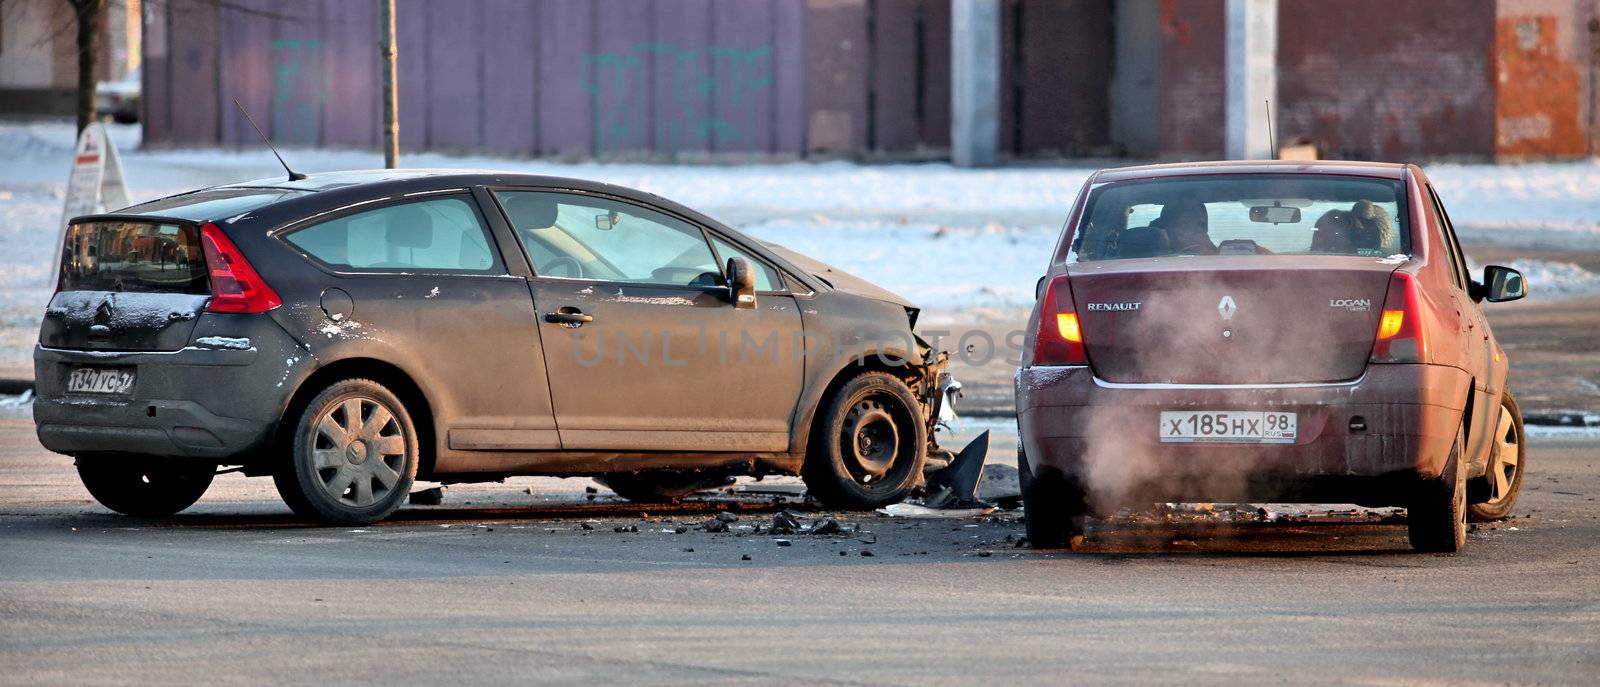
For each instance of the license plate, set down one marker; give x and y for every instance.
(1228, 427)
(100, 380)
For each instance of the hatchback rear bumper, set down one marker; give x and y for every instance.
(1363, 441)
(200, 402)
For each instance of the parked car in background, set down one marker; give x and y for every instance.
(351, 332)
(1267, 331)
(120, 99)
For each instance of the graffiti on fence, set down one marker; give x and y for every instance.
(685, 102)
(300, 85)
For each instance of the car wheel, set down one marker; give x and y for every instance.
(1054, 511)
(143, 486)
(660, 486)
(1436, 520)
(868, 444)
(354, 455)
(1499, 486)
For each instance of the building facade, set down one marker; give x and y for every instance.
(730, 79)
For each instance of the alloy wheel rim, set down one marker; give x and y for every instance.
(358, 449)
(1507, 458)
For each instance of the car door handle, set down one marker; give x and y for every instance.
(568, 316)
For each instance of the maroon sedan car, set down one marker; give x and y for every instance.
(1266, 331)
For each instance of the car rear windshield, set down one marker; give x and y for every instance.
(1239, 214)
(133, 256)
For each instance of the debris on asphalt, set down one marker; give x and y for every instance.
(744, 557)
(714, 525)
(625, 528)
(725, 516)
(867, 553)
(825, 526)
(912, 510)
(427, 497)
(783, 542)
(785, 522)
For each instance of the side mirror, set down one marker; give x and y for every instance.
(1503, 284)
(741, 283)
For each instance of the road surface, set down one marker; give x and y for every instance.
(499, 585)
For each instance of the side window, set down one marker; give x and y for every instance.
(436, 234)
(1458, 265)
(766, 277)
(585, 237)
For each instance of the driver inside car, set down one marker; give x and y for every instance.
(1187, 226)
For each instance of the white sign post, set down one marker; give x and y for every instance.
(96, 184)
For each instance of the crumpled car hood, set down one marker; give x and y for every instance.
(840, 279)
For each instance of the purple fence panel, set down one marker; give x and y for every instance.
(192, 38)
(246, 32)
(299, 76)
(681, 92)
(836, 86)
(351, 114)
(510, 75)
(455, 102)
(618, 73)
(741, 64)
(789, 76)
(935, 122)
(565, 40)
(412, 33)
(893, 102)
(155, 116)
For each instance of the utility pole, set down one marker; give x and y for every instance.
(1252, 77)
(391, 95)
(974, 82)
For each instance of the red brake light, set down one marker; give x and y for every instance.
(1399, 338)
(235, 285)
(1059, 340)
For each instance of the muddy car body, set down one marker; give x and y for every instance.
(1261, 368)
(274, 325)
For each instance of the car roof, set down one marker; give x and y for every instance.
(1386, 170)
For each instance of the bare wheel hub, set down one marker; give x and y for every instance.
(871, 439)
(358, 449)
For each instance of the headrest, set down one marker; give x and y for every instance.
(529, 211)
(408, 226)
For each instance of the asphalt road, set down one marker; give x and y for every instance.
(500, 585)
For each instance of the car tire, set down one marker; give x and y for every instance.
(662, 486)
(354, 455)
(1495, 493)
(1436, 520)
(144, 486)
(867, 446)
(1054, 510)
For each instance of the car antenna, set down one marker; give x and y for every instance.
(293, 175)
(1271, 139)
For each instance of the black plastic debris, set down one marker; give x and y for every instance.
(956, 486)
(427, 497)
(785, 522)
(825, 526)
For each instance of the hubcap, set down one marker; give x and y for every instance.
(358, 450)
(1507, 457)
(871, 440)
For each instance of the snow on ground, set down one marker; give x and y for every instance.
(956, 241)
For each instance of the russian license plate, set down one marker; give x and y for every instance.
(100, 380)
(1228, 427)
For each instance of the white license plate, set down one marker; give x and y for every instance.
(1228, 427)
(100, 380)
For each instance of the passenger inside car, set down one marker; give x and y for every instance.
(1186, 225)
(1335, 233)
(1374, 229)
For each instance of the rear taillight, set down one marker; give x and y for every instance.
(235, 285)
(1399, 338)
(1059, 340)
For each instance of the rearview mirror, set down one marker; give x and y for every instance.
(608, 221)
(1503, 284)
(741, 283)
(1275, 214)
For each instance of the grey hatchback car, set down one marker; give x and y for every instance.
(351, 332)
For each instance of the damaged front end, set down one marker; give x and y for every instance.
(950, 479)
